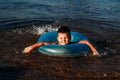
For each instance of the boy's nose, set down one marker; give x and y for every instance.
(64, 40)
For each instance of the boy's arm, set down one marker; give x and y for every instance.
(95, 52)
(30, 48)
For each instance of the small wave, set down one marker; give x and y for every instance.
(15, 22)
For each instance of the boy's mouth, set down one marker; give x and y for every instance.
(63, 43)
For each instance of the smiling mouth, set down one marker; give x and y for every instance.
(63, 43)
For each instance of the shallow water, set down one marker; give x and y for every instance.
(23, 21)
(16, 65)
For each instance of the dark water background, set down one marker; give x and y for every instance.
(14, 13)
(22, 22)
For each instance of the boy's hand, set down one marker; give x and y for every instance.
(96, 54)
(27, 50)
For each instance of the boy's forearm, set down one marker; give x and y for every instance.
(29, 48)
(95, 52)
(37, 45)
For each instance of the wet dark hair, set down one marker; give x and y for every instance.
(64, 29)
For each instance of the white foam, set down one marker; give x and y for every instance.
(38, 30)
(42, 29)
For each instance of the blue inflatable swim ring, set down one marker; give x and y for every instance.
(62, 50)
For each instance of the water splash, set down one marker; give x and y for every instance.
(42, 29)
(35, 30)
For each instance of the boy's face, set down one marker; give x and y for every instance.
(63, 38)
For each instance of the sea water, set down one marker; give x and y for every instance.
(21, 13)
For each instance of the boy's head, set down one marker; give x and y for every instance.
(64, 35)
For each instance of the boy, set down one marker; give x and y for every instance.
(63, 39)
